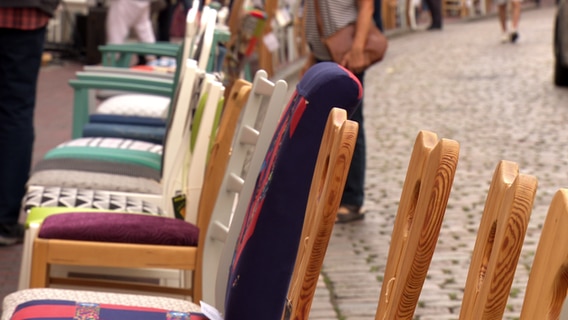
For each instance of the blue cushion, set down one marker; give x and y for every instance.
(268, 243)
(133, 120)
(153, 134)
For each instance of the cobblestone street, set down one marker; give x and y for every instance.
(498, 101)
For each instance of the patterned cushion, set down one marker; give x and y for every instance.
(151, 134)
(113, 143)
(13, 300)
(80, 198)
(72, 310)
(95, 181)
(267, 245)
(135, 105)
(119, 228)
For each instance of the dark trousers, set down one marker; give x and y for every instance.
(354, 192)
(435, 7)
(377, 15)
(20, 60)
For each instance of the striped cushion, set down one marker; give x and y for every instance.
(108, 167)
(113, 143)
(135, 105)
(13, 300)
(83, 198)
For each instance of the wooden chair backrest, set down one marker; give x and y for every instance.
(216, 169)
(329, 178)
(417, 225)
(548, 280)
(499, 242)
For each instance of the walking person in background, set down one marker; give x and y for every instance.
(336, 14)
(435, 8)
(507, 36)
(124, 15)
(22, 36)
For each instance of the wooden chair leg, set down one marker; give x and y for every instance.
(39, 277)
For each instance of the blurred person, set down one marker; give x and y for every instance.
(513, 35)
(336, 14)
(22, 36)
(435, 8)
(124, 15)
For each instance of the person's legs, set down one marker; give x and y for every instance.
(20, 53)
(503, 16)
(435, 7)
(165, 22)
(377, 15)
(515, 18)
(354, 192)
(118, 21)
(142, 23)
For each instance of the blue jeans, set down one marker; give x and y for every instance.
(354, 192)
(20, 60)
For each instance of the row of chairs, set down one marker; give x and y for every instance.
(300, 132)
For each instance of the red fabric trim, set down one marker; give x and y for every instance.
(23, 18)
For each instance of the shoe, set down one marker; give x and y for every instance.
(434, 28)
(11, 234)
(348, 213)
(505, 37)
(514, 36)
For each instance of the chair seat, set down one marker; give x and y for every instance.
(110, 149)
(135, 105)
(131, 120)
(119, 228)
(147, 133)
(83, 198)
(12, 301)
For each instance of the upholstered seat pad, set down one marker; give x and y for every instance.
(113, 143)
(84, 198)
(135, 105)
(119, 228)
(94, 181)
(13, 300)
(152, 134)
(102, 167)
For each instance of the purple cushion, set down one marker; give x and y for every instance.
(119, 227)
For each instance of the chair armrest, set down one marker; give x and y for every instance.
(82, 99)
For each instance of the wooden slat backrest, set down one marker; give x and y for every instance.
(419, 218)
(329, 178)
(548, 280)
(499, 242)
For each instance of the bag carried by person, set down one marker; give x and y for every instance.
(340, 42)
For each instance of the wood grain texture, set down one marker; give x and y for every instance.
(417, 226)
(329, 178)
(498, 245)
(216, 168)
(548, 280)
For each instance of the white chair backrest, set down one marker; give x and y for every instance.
(209, 19)
(191, 28)
(269, 98)
(176, 145)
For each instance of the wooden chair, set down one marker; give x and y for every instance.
(131, 255)
(301, 131)
(499, 242)
(320, 215)
(417, 225)
(266, 103)
(548, 281)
